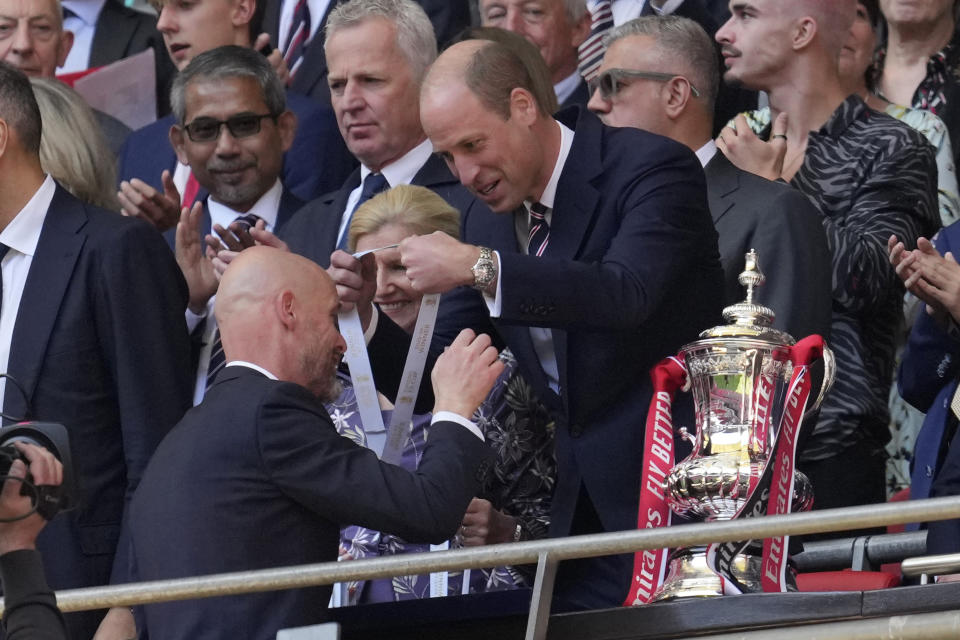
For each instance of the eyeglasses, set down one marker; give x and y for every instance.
(240, 126)
(611, 81)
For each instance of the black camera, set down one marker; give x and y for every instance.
(52, 437)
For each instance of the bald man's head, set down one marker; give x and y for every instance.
(279, 310)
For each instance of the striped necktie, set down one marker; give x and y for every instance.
(592, 50)
(217, 358)
(297, 38)
(539, 230)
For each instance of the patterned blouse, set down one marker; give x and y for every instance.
(943, 68)
(871, 177)
(516, 425)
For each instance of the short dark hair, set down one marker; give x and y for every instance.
(229, 61)
(507, 63)
(543, 86)
(18, 107)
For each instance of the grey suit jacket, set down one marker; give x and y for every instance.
(785, 228)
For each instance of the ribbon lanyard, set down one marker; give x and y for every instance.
(388, 443)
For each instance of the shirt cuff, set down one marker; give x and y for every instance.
(194, 319)
(372, 329)
(450, 416)
(494, 302)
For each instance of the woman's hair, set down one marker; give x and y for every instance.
(73, 149)
(417, 208)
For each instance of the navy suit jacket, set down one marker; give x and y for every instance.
(122, 32)
(579, 98)
(100, 345)
(785, 228)
(317, 162)
(927, 379)
(449, 17)
(256, 476)
(632, 272)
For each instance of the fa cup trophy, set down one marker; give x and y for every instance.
(750, 384)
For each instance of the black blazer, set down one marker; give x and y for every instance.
(100, 345)
(122, 32)
(256, 476)
(449, 17)
(786, 229)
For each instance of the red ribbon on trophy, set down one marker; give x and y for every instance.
(658, 458)
(802, 354)
(774, 492)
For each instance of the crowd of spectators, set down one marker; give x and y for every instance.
(511, 210)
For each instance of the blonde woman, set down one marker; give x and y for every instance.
(515, 500)
(72, 147)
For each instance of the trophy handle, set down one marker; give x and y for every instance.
(829, 374)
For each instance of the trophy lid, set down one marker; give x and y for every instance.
(748, 319)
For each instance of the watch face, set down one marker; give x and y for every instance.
(483, 273)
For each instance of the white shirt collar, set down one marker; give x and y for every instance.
(88, 11)
(23, 232)
(550, 192)
(250, 365)
(403, 169)
(565, 88)
(267, 208)
(706, 152)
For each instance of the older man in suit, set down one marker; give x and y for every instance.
(660, 73)
(92, 335)
(257, 476)
(557, 28)
(601, 261)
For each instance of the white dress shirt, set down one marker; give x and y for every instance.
(542, 337)
(22, 236)
(318, 8)
(83, 26)
(400, 171)
(706, 152)
(565, 88)
(267, 208)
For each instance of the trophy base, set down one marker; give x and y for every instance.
(689, 576)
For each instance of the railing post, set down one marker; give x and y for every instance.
(542, 597)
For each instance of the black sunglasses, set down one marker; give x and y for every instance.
(240, 126)
(611, 81)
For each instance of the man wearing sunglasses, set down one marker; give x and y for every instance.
(232, 130)
(661, 74)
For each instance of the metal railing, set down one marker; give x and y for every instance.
(546, 553)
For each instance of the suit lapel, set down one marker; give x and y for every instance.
(289, 205)
(723, 181)
(576, 200)
(60, 244)
(313, 69)
(112, 36)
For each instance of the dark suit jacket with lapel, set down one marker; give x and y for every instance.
(122, 32)
(257, 476)
(448, 17)
(317, 162)
(927, 379)
(632, 272)
(289, 204)
(786, 229)
(100, 345)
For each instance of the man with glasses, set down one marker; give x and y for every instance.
(661, 74)
(232, 130)
(153, 182)
(600, 260)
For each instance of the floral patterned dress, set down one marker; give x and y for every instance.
(520, 484)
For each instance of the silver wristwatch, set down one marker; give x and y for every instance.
(485, 270)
